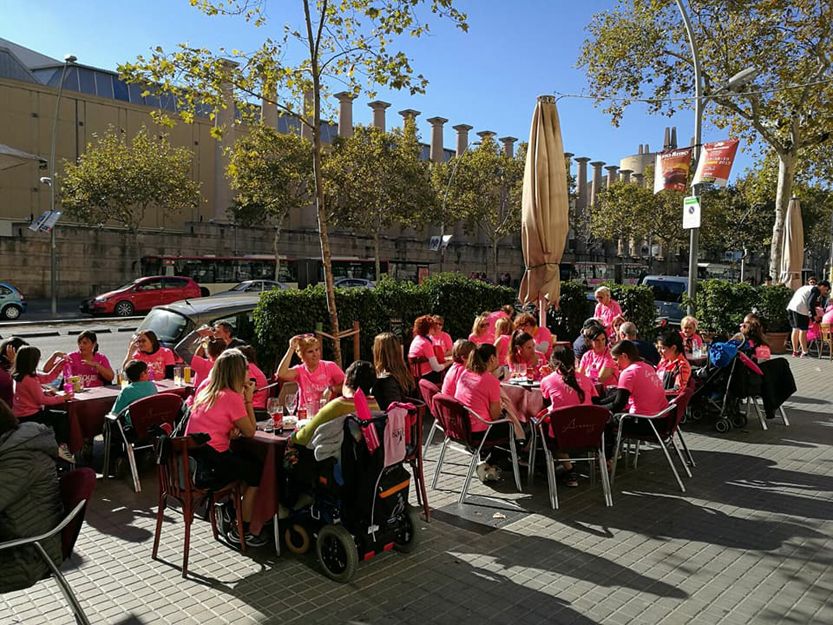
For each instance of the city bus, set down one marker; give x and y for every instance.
(220, 273)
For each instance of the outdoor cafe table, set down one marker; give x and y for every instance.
(86, 409)
(268, 449)
(525, 400)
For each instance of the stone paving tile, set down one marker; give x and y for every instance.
(749, 542)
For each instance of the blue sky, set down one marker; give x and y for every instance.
(488, 78)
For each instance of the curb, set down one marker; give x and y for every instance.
(34, 335)
(81, 320)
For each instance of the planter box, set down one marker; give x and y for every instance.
(777, 342)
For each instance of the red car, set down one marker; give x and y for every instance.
(141, 295)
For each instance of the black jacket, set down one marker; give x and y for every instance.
(779, 384)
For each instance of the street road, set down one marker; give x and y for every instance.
(113, 336)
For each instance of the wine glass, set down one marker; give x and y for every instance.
(290, 402)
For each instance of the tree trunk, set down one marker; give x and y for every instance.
(275, 241)
(786, 173)
(494, 260)
(378, 267)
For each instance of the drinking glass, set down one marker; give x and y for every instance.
(290, 402)
(178, 375)
(273, 406)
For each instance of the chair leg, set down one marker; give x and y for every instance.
(530, 470)
(475, 457)
(667, 456)
(429, 440)
(238, 507)
(108, 435)
(783, 415)
(680, 455)
(616, 451)
(636, 454)
(605, 477)
(188, 517)
(160, 513)
(551, 481)
(422, 495)
(759, 412)
(134, 471)
(63, 584)
(440, 459)
(516, 469)
(685, 448)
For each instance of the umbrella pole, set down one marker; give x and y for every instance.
(542, 311)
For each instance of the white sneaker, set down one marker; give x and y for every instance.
(64, 454)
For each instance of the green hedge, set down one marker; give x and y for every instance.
(720, 305)
(391, 306)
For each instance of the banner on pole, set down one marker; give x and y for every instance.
(672, 168)
(715, 163)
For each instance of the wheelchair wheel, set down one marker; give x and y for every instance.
(337, 552)
(297, 539)
(739, 421)
(722, 425)
(407, 537)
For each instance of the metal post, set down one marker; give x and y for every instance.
(53, 241)
(698, 124)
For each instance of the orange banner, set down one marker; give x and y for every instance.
(716, 162)
(672, 169)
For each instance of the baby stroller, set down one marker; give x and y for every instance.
(729, 377)
(358, 503)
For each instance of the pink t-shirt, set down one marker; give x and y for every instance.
(543, 342)
(218, 420)
(554, 388)
(607, 313)
(646, 389)
(29, 397)
(502, 344)
(443, 339)
(476, 391)
(479, 340)
(451, 376)
(260, 397)
(828, 316)
(312, 384)
(75, 365)
(422, 347)
(157, 361)
(592, 363)
(201, 368)
(492, 318)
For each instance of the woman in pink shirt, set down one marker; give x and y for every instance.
(146, 348)
(480, 330)
(607, 309)
(421, 355)
(479, 391)
(566, 387)
(597, 363)
(31, 403)
(204, 358)
(639, 390)
(261, 393)
(503, 340)
(440, 338)
(223, 410)
(523, 357)
(317, 379)
(459, 356)
(88, 363)
(544, 339)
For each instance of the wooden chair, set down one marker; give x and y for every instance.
(456, 421)
(575, 428)
(415, 366)
(826, 340)
(414, 456)
(146, 415)
(76, 488)
(176, 481)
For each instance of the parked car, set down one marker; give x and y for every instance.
(254, 286)
(175, 323)
(352, 283)
(141, 295)
(668, 295)
(12, 302)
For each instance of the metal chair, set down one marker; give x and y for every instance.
(146, 415)
(176, 481)
(664, 426)
(456, 420)
(428, 390)
(76, 488)
(575, 428)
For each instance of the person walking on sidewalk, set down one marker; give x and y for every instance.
(801, 309)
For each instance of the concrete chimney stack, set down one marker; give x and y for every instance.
(437, 153)
(597, 182)
(673, 136)
(612, 174)
(508, 145)
(379, 113)
(345, 113)
(581, 183)
(462, 137)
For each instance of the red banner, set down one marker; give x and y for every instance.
(672, 169)
(716, 162)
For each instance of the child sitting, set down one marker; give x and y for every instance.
(138, 388)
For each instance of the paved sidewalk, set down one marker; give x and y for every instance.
(750, 542)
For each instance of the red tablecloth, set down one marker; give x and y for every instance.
(268, 448)
(86, 410)
(526, 402)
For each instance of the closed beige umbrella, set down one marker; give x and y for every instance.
(545, 219)
(792, 254)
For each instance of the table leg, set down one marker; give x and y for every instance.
(277, 534)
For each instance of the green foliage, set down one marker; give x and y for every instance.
(637, 303)
(772, 307)
(283, 314)
(117, 181)
(573, 309)
(733, 220)
(720, 305)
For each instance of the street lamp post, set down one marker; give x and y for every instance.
(53, 247)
